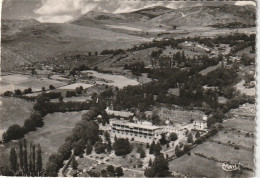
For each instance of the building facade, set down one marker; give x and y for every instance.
(138, 131)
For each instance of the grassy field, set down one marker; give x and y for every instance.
(209, 69)
(13, 111)
(109, 79)
(196, 166)
(19, 81)
(178, 115)
(226, 153)
(57, 127)
(75, 85)
(248, 91)
(236, 138)
(241, 124)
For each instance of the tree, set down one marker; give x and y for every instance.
(190, 138)
(142, 153)
(56, 158)
(151, 150)
(150, 163)
(61, 98)
(79, 147)
(173, 136)
(163, 140)
(89, 148)
(149, 172)
(74, 163)
(100, 147)
(109, 146)
(29, 125)
(51, 87)
(33, 159)
(122, 147)
(65, 150)
(119, 172)
(107, 135)
(186, 148)
(13, 159)
(18, 92)
(178, 152)
(39, 160)
(37, 118)
(25, 161)
(147, 145)
(51, 169)
(160, 168)
(157, 149)
(21, 154)
(111, 169)
(15, 131)
(197, 135)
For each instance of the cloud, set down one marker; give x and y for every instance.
(60, 11)
(55, 19)
(244, 3)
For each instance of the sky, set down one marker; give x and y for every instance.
(60, 11)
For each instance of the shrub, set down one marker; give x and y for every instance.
(122, 147)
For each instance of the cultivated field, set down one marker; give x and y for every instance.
(226, 153)
(57, 126)
(197, 166)
(13, 111)
(246, 125)
(234, 137)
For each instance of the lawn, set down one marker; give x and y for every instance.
(235, 138)
(57, 126)
(246, 125)
(226, 153)
(196, 166)
(85, 163)
(13, 111)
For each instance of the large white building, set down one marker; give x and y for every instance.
(139, 131)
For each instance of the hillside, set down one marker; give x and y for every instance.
(207, 15)
(39, 42)
(11, 26)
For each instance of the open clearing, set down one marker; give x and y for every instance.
(241, 124)
(248, 91)
(178, 116)
(74, 99)
(197, 166)
(57, 126)
(209, 69)
(75, 85)
(109, 79)
(226, 153)
(13, 111)
(19, 81)
(236, 138)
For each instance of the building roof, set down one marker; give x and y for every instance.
(130, 124)
(119, 113)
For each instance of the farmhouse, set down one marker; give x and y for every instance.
(139, 131)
